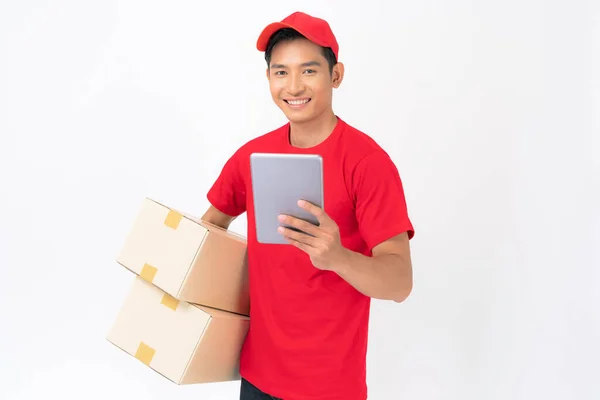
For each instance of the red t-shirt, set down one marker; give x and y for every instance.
(308, 328)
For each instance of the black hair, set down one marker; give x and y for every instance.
(289, 34)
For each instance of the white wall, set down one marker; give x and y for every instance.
(488, 108)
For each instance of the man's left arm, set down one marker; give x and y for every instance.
(387, 275)
(382, 216)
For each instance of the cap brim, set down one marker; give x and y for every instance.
(265, 35)
(263, 38)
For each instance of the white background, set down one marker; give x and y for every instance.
(490, 110)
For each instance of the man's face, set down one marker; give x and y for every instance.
(299, 80)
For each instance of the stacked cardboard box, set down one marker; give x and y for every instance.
(186, 315)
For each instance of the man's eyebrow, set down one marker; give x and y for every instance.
(306, 64)
(311, 64)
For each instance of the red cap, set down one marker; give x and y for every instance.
(314, 29)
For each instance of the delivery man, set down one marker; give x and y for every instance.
(310, 300)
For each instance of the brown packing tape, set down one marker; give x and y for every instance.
(148, 273)
(173, 219)
(145, 353)
(169, 301)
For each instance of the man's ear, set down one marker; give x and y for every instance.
(337, 75)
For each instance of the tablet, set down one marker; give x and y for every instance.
(278, 182)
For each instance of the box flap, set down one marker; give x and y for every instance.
(217, 313)
(158, 330)
(161, 246)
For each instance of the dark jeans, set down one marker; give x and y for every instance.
(250, 392)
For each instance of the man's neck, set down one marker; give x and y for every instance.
(312, 133)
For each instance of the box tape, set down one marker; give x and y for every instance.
(169, 301)
(145, 353)
(148, 273)
(173, 219)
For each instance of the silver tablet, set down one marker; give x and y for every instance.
(278, 182)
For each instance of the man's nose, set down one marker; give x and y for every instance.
(296, 85)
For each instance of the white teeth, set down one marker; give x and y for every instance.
(297, 102)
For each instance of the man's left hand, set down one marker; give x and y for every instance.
(322, 243)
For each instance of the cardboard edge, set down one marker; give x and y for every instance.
(223, 313)
(193, 354)
(197, 220)
(185, 280)
(179, 382)
(122, 264)
(219, 230)
(230, 308)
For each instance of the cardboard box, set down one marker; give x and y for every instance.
(184, 342)
(190, 259)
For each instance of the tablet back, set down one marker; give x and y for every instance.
(278, 182)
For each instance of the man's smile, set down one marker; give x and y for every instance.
(297, 102)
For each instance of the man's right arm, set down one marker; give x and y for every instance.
(227, 195)
(216, 217)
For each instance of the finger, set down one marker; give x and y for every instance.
(318, 212)
(304, 247)
(297, 236)
(300, 224)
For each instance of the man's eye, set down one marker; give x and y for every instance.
(310, 71)
(279, 72)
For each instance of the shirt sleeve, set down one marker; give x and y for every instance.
(228, 192)
(381, 209)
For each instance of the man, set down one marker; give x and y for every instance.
(310, 299)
